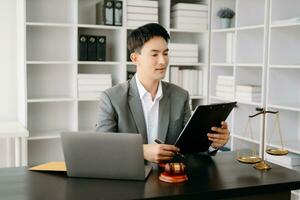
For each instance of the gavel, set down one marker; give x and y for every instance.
(174, 168)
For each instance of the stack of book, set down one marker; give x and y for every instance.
(90, 85)
(248, 93)
(291, 161)
(225, 87)
(189, 16)
(189, 79)
(141, 12)
(183, 53)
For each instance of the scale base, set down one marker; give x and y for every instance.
(262, 166)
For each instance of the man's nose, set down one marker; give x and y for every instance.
(163, 60)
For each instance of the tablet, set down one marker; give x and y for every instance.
(193, 138)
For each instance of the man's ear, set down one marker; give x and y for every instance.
(134, 57)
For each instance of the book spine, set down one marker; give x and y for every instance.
(118, 13)
(143, 10)
(189, 6)
(142, 3)
(138, 16)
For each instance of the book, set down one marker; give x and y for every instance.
(181, 53)
(83, 47)
(91, 48)
(225, 95)
(183, 47)
(101, 48)
(189, 6)
(137, 23)
(108, 12)
(189, 13)
(191, 27)
(200, 82)
(188, 20)
(174, 75)
(143, 10)
(225, 88)
(249, 88)
(142, 3)
(290, 159)
(139, 16)
(118, 13)
(183, 59)
(99, 12)
(229, 47)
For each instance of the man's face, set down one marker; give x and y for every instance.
(153, 59)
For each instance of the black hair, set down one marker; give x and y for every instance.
(138, 37)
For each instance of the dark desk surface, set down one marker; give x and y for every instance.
(209, 177)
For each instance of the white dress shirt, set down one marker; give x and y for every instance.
(151, 110)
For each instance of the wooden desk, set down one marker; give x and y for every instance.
(16, 131)
(220, 177)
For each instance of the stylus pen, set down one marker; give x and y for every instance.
(161, 142)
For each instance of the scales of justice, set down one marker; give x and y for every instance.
(253, 158)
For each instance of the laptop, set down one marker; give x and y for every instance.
(104, 155)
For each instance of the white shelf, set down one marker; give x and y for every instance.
(98, 63)
(285, 25)
(250, 103)
(54, 99)
(284, 66)
(50, 62)
(186, 31)
(188, 64)
(249, 65)
(197, 97)
(250, 27)
(223, 30)
(41, 24)
(222, 64)
(44, 137)
(91, 26)
(295, 107)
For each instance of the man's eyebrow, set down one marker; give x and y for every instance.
(155, 50)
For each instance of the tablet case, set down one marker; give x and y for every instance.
(193, 138)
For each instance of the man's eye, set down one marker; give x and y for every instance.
(154, 55)
(166, 54)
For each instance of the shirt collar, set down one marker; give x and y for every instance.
(143, 91)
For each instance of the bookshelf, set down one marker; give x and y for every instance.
(264, 48)
(49, 66)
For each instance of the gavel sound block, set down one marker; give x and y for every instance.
(173, 173)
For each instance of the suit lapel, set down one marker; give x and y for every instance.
(164, 114)
(136, 108)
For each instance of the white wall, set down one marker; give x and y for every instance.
(8, 62)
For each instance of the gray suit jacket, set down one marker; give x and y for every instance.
(120, 110)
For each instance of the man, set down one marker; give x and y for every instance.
(147, 105)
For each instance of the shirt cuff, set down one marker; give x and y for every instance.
(211, 149)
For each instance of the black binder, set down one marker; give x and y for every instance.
(101, 48)
(92, 48)
(118, 13)
(83, 46)
(193, 138)
(108, 10)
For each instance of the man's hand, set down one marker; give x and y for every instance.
(221, 137)
(159, 152)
